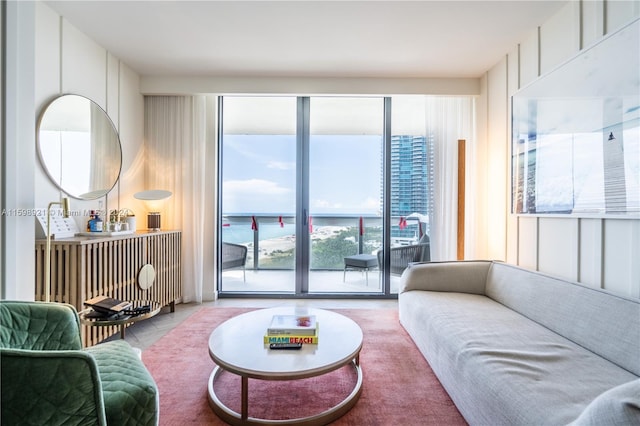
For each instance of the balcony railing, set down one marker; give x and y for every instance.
(271, 240)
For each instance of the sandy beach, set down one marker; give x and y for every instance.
(288, 242)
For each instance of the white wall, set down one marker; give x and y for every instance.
(152, 85)
(67, 61)
(600, 252)
(19, 145)
(56, 58)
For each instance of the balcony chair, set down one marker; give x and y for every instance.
(234, 256)
(48, 379)
(361, 262)
(401, 256)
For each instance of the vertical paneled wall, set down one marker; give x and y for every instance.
(67, 61)
(18, 159)
(599, 252)
(498, 153)
(50, 57)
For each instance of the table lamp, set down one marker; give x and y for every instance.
(152, 199)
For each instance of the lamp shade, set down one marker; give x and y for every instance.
(152, 199)
(152, 195)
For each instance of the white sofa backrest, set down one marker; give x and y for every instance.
(461, 277)
(604, 323)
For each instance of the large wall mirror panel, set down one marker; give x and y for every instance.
(79, 147)
(576, 133)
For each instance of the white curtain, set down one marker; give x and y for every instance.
(175, 144)
(448, 120)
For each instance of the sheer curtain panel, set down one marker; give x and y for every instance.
(175, 144)
(449, 119)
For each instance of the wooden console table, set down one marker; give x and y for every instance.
(85, 267)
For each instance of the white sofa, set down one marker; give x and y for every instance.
(516, 347)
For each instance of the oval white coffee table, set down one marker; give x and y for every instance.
(339, 344)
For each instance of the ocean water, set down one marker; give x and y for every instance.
(241, 232)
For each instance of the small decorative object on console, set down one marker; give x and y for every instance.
(138, 310)
(107, 305)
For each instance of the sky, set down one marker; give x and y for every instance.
(259, 155)
(259, 174)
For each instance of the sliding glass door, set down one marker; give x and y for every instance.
(258, 194)
(345, 194)
(313, 189)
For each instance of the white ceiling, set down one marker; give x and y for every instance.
(394, 39)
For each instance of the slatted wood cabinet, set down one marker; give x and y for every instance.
(85, 267)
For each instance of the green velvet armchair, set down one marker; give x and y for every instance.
(48, 379)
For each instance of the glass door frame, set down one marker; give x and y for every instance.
(303, 239)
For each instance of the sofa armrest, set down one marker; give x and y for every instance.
(50, 387)
(460, 277)
(617, 406)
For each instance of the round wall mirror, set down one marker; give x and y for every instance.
(79, 147)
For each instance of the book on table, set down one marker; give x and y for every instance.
(293, 325)
(107, 305)
(292, 338)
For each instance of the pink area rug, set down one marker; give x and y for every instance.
(399, 387)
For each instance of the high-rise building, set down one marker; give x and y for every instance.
(411, 179)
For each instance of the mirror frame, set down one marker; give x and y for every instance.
(92, 194)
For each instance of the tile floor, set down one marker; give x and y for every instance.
(267, 280)
(145, 333)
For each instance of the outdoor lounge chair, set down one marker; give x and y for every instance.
(234, 256)
(401, 256)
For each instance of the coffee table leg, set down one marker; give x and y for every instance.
(245, 398)
(242, 418)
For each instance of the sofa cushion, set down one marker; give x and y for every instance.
(461, 277)
(130, 393)
(617, 406)
(498, 366)
(604, 323)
